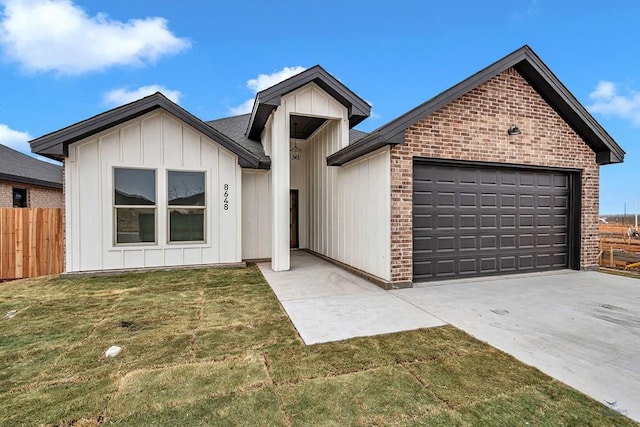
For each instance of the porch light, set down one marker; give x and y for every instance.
(295, 152)
(513, 130)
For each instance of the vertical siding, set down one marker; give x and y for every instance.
(349, 217)
(158, 141)
(256, 214)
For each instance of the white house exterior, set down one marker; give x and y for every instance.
(159, 143)
(442, 191)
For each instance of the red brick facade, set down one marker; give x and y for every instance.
(37, 196)
(474, 128)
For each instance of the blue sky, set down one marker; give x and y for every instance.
(62, 61)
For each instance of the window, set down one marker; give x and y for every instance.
(19, 197)
(135, 205)
(186, 210)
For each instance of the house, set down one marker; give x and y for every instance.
(26, 182)
(498, 174)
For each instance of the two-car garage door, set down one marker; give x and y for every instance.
(471, 220)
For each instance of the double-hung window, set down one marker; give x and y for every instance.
(134, 205)
(186, 206)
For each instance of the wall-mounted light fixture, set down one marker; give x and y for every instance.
(295, 152)
(513, 130)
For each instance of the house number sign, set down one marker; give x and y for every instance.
(226, 197)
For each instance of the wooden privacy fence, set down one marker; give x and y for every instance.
(30, 242)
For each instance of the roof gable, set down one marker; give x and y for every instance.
(535, 72)
(18, 167)
(55, 145)
(269, 99)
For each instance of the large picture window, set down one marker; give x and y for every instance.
(186, 206)
(135, 205)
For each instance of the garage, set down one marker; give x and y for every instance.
(471, 219)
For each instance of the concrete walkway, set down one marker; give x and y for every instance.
(327, 303)
(582, 328)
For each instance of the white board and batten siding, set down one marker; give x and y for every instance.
(350, 206)
(159, 141)
(256, 214)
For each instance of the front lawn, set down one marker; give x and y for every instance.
(214, 347)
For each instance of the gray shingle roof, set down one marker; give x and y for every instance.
(18, 167)
(236, 126)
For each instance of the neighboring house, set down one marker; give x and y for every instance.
(498, 174)
(26, 182)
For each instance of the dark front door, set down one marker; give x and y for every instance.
(476, 220)
(294, 219)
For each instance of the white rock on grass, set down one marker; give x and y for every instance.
(112, 351)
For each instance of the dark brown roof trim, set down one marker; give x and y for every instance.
(269, 99)
(539, 76)
(56, 144)
(30, 181)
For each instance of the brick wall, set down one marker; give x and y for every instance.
(38, 197)
(474, 128)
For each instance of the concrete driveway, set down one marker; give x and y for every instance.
(582, 328)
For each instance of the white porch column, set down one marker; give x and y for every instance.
(280, 181)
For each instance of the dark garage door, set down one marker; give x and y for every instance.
(473, 220)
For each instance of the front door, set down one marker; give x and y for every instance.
(294, 219)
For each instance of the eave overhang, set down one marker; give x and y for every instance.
(537, 74)
(56, 144)
(269, 99)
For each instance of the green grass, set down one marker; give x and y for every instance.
(214, 347)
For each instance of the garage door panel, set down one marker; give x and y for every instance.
(474, 221)
(560, 182)
(526, 220)
(544, 202)
(489, 222)
(421, 244)
(445, 222)
(445, 200)
(489, 200)
(560, 201)
(468, 243)
(468, 177)
(561, 220)
(468, 266)
(508, 241)
(508, 178)
(488, 178)
(445, 244)
(526, 201)
(507, 263)
(468, 221)
(423, 199)
(507, 221)
(508, 201)
(468, 200)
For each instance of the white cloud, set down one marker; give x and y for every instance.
(609, 102)
(121, 96)
(15, 139)
(531, 11)
(243, 108)
(57, 35)
(19, 141)
(264, 81)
